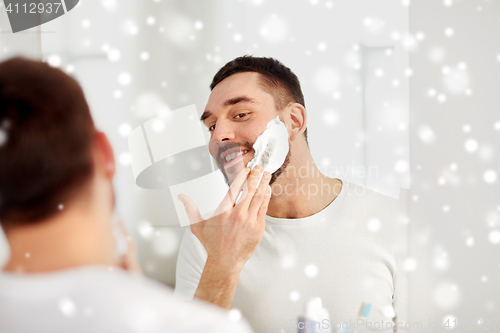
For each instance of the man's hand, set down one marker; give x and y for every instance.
(232, 235)
(128, 261)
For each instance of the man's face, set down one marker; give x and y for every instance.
(237, 112)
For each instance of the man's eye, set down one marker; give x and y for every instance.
(211, 128)
(241, 115)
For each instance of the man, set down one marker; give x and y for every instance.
(65, 273)
(323, 237)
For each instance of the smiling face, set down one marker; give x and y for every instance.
(237, 112)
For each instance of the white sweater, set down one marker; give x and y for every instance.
(347, 254)
(93, 299)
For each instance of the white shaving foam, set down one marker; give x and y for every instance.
(271, 147)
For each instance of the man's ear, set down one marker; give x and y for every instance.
(298, 120)
(104, 154)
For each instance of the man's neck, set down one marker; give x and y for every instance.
(302, 190)
(70, 239)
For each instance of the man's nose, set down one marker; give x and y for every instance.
(223, 131)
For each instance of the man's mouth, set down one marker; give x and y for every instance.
(230, 156)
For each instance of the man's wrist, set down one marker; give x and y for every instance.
(218, 282)
(228, 268)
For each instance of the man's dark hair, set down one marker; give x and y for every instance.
(46, 137)
(275, 78)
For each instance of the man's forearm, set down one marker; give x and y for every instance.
(218, 284)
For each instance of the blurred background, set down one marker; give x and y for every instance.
(402, 96)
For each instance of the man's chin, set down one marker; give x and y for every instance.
(232, 171)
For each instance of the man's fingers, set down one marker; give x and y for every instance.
(244, 193)
(130, 262)
(252, 182)
(191, 209)
(233, 192)
(260, 194)
(261, 215)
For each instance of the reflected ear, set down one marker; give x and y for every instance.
(298, 120)
(104, 154)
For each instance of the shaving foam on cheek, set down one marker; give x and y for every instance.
(271, 147)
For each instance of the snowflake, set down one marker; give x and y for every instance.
(144, 55)
(470, 145)
(124, 79)
(374, 225)
(150, 20)
(311, 270)
(234, 315)
(494, 236)
(125, 158)
(426, 134)
(54, 60)
(113, 54)
(3, 137)
(274, 29)
(490, 176)
(125, 129)
(67, 307)
(294, 296)
(86, 24)
(198, 25)
(410, 264)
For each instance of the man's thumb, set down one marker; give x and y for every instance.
(191, 209)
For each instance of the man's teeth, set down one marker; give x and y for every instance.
(234, 155)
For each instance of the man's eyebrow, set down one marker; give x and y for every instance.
(229, 102)
(239, 99)
(205, 115)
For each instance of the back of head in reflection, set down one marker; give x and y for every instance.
(56, 171)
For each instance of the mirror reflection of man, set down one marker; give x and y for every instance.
(323, 237)
(65, 272)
